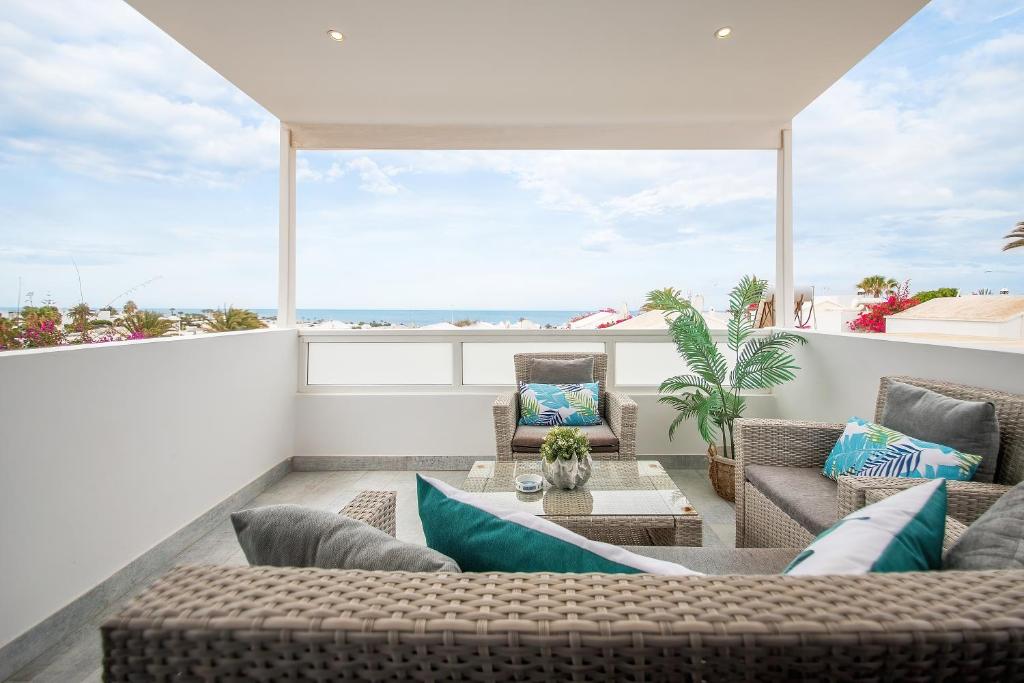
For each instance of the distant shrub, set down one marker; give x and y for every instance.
(940, 293)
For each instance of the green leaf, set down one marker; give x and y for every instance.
(764, 362)
(583, 401)
(684, 382)
(529, 407)
(693, 341)
(667, 299)
(748, 292)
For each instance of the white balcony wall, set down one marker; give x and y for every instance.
(364, 418)
(108, 450)
(840, 372)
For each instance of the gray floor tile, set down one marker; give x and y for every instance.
(78, 657)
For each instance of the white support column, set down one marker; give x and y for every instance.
(286, 237)
(784, 285)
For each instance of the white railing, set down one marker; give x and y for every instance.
(387, 361)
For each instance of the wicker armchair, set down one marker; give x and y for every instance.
(762, 523)
(618, 411)
(218, 623)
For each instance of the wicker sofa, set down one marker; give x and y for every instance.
(613, 440)
(218, 623)
(782, 501)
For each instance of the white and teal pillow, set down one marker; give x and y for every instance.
(482, 537)
(548, 405)
(867, 449)
(901, 533)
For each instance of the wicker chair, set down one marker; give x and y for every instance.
(618, 411)
(217, 623)
(760, 522)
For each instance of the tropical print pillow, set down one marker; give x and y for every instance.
(867, 449)
(547, 405)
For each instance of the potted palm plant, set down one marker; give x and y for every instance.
(710, 393)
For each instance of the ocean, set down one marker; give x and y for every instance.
(415, 317)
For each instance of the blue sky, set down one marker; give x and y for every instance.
(122, 153)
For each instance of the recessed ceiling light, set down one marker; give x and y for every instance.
(723, 32)
(336, 35)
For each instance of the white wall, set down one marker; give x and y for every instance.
(840, 372)
(1010, 329)
(454, 423)
(107, 450)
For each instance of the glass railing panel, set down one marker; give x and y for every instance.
(490, 363)
(379, 363)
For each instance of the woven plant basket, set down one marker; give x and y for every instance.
(722, 472)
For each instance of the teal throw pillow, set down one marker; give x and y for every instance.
(867, 449)
(901, 533)
(548, 405)
(483, 537)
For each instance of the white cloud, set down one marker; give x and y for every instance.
(373, 178)
(100, 91)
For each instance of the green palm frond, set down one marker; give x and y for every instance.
(1016, 238)
(687, 407)
(878, 434)
(684, 382)
(583, 401)
(764, 362)
(704, 421)
(528, 406)
(748, 292)
(693, 340)
(967, 461)
(665, 299)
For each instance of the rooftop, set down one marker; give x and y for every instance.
(990, 308)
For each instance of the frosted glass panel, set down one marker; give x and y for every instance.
(648, 364)
(491, 363)
(379, 363)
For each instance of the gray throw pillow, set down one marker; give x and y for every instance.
(968, 426)
(562, 371)
(995, 540)
(295, 536)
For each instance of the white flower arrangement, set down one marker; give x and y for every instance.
(565, 443)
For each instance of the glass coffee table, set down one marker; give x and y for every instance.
(625, 502)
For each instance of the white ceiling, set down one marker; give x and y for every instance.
(532, 73)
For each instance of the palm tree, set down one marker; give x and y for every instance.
(80, 316)
(1017, 237)
(232, 319)
(663, 294)
(145, 324)
(711, 394)
(129, 307)
(876, 285)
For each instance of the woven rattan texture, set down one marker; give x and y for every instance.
(617, 409)
(376, 508)
(268, 624)
(783, 443)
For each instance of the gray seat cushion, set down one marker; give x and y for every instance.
(968, 426)
(995, 540)
(803, 493)
(295, 536)
(528, 438)
(562, 370)
(720, 561)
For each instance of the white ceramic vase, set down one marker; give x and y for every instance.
(567, 474)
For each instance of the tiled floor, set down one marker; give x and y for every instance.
(78, 657)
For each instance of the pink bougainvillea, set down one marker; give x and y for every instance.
(873, 318)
